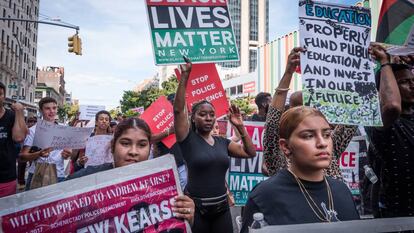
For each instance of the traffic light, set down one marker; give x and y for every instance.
(75, 44)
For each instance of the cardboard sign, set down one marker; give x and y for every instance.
(245, 174)
(139, 110)
(337, 71)
(200, 30)
(160, 117)
(60, 136)
(133, 198)
(204, 84)
(88, 112)
(98, 150)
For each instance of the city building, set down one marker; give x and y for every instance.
(53, 77)
(42, 90)
(250, 20)
(18, 50)
(68, 98)
(146, 84)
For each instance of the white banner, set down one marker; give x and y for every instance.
(60, 136)
(88, 112)
(98, 150)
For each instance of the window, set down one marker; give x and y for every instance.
(233, 90)
(31, 97)
(239, 89)
(47, 93)
(38, 94)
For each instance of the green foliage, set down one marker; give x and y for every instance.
(114, 112)
(131, 113)
(67, 111)
(244, 103)
(133, 99)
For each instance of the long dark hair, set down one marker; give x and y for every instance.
(194, 109)
(130, 123)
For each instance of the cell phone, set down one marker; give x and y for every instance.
(34, 149)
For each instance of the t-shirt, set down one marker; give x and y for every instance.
(281, 201)
(174, 150)
(207, 165)
(395, 149)
(257, 117)
(90, 170)
(55, 156)
(7, 148)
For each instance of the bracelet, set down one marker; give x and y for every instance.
(281, 89)
(385, 64)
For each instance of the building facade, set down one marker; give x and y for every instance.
(53, 77)
(18, 50)
(250, 20)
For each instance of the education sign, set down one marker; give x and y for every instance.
(337, 73)
(200, 30)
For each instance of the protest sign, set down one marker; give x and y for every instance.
(88, 112)
(160, 117)
(59, 136)
(244, 174)
(349, 165)
(139, 110)
(200, 30)
(204, 84)
(134, 198)
(337, 73)
(98, 150)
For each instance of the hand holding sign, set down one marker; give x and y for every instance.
(186, 68)
(293, 60)
(378, 52)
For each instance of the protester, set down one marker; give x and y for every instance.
(48, 108)
(21, 166)
(161, 149)
(131, 144)
(206, 157)
(273, 156)
(262, 101)
(12, 129)
(302, 193)
(392, 146)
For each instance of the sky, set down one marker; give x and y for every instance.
(116, 44)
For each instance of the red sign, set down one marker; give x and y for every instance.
(204, 84)
(160, 117)
(249, 87)
(140, 204)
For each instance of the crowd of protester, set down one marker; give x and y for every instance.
(301, 152)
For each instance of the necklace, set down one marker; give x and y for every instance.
(328, 214)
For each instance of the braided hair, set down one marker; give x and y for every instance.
(194, 109)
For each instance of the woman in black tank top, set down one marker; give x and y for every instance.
(207, 157)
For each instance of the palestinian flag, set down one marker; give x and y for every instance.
(395, 21)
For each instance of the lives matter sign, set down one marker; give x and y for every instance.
(135, 198)
(160, 117)
(245, 174)
(200, 30)
(337, 73)
(204, 84)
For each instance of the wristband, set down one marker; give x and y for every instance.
(385, 64)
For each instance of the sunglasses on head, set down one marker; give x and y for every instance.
(31, 121)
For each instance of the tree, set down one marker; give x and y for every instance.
(133, 99)
(244, 103)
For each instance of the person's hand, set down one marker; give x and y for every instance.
(17, 107)
(235, 116)
(82, 160)
(378, 53)
(293, 60)
(45, 152)
(186, 68)
(183, 207)
(409, 60)
(66, 153)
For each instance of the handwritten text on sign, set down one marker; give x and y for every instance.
(59, 136)
(98, 150)
(245, 174)
(142, 203)
(160, 117)
(200, 30)
(337, 72)
(204, 84)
